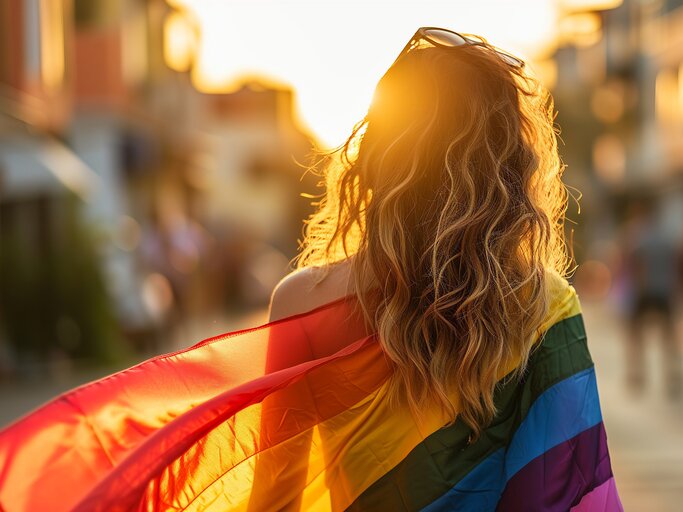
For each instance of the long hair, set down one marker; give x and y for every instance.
(448, 197)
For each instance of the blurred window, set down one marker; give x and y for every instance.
(180, 41)
(668, 96)
(52, 44)
(32, 37)
(44, 43)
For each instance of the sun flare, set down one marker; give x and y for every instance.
(333, 53)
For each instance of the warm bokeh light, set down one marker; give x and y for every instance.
(52, 44)
(609, 158)
(590, 5)
(333, 53)
(666, 91)
(593, 279)
(668, 96)
(546, 71)
(180, 41)
(581, 29)
(608, 102)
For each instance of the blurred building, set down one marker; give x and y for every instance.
(619, 94)
(188, 202)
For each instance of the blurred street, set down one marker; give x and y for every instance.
(20, 397)
(645, 432)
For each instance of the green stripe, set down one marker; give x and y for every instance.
(434, 466)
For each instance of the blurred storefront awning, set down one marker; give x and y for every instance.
(33, 165)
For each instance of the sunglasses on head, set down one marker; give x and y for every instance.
(444, 38)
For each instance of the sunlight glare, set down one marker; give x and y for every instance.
(590, 5)
(333, 53)
(180, 41)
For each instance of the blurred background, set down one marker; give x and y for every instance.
(152, 188)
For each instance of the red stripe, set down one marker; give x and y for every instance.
(52, 457)
(124, 486)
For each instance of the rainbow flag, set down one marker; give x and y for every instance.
(292, 415)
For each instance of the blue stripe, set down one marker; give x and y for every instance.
(561, 412)
(478, 491)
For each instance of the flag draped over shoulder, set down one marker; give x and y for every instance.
(293, 415)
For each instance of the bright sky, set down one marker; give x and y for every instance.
(333, 52)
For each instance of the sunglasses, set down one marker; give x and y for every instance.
(444, 38)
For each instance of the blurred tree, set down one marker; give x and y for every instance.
(54, 298)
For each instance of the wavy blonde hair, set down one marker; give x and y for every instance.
(448, 197)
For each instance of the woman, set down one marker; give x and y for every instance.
(427, 354)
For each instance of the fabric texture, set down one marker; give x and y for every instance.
(293, 415)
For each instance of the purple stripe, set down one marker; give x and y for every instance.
(560, 477)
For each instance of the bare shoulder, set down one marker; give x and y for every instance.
(307, 288)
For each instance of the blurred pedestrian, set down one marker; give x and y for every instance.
(651, 262)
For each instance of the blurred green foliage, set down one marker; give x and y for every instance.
(55, 299)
